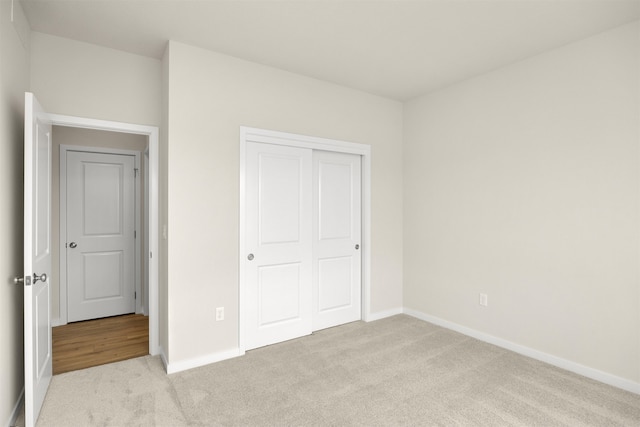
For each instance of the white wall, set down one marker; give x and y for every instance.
(524, 184)
(85, 80)
(14, 81)
(210, 97)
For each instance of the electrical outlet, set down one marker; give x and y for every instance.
(219, 314)
(484, 300)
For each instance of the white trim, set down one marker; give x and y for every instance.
(249, 134)
(568, 365)
(152, 133)
(62, 220)
(15, 413)
(196, 362)
(145, 215)
(384, 314)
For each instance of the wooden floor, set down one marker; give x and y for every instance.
(81, 345)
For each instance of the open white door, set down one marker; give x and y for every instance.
(37, 258)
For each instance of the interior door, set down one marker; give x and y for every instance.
(278, 233)
(336, 239)
(37, 258)
(100, 237)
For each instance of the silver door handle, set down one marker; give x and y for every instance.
(357, 247)
(42, 277)
(19, 280)
(250, 257)
(73, 245)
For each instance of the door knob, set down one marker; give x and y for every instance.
(73, 245)
(19, 280)
(42, 277)
(357, 247)
(250, 257)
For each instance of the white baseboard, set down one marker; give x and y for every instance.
(16, 410)
(568, 365)
(382, 314)
(57, 322)
(196, 362)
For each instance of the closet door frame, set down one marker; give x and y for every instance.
(249, 134)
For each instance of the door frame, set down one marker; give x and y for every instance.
(153, 237)
(63, 285)
(250, 134)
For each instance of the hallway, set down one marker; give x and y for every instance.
(96, 342)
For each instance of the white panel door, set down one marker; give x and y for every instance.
(100, 235)
(336, 239)
(278, 242)
(37, 259)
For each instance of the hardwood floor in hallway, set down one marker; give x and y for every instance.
(96, 342)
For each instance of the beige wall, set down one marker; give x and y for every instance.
(63, 135)
(14, 81)
(85, 80)
(210, 97)
(524, 184)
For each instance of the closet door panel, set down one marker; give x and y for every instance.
(336, 239)
(278, 241)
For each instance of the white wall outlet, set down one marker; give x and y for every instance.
(484, 300)
(219, 314)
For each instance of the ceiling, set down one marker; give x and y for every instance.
(394, 48)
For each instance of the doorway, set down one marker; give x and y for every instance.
(150, 255)
(100, 239)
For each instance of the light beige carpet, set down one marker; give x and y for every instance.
(396, 371)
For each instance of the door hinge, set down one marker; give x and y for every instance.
(135, 295)
(135, 234)
(135, 172)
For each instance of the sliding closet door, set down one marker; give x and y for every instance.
(336, 239)
(278, 242)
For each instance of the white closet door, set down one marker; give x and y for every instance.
(336, 239)
(278, 242)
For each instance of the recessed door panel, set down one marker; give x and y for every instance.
(335, 208)
(102, 199)
(280, 198)
(42, 330)
(100, 235)
(42, 195)
(335, 290)
(103, 275)
(279, 294)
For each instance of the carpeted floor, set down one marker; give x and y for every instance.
(395, 371)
